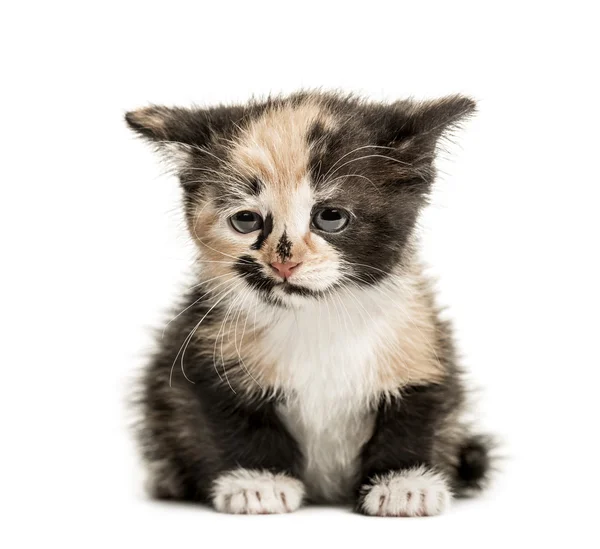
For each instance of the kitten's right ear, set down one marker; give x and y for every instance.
(178, 134)
(163, 125)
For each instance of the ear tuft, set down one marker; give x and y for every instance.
(425, 122)
(171, 124)
(437, 116)
(176, 133)
(151, 122)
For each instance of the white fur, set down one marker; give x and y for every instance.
(176, 155)
(246, 491)
(411, 493)
(330, 450)
(326, 361)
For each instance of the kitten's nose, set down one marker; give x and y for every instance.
(284, 269)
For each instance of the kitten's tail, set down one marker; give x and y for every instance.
(474, 465)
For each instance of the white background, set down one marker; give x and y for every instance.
(94, 251)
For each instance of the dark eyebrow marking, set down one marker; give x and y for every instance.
(316, 133)
(264, 234)
(324, 145)
(255, 186)
(284, 247)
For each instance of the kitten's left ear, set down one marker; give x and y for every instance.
(427, 121)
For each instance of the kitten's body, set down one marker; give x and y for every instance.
(342, 378)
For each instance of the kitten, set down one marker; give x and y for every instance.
(309, 362)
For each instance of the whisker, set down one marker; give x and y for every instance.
(191, 334)
(330, 182)
(369, 266)
(222, 329)
(331, 293)
(351, 293)
(204, 244)
(197, 300)
(222, 262)
(256, 309)
(371, 156)
(386, 293)
(347, 314)
(352, 152)
(239, 350)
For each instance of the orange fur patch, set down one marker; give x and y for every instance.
(275, 148)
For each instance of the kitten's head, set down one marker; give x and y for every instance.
(295, 197)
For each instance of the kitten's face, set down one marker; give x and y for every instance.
(295, 198)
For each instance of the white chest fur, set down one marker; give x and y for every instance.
(325, 369)
(331, 451)
(328, 361)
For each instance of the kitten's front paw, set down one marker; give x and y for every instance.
(246, 491)
(410, 493)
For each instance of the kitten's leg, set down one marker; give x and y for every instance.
(204, 443)
(260, 461)
(398, 477)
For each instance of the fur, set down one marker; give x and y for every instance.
(256, 492)
(340, 383)
(413, 492)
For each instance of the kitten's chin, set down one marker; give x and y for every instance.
(288, 294)
(291, 296)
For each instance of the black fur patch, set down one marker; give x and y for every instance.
(474, 462)
(293, 289)
(264, 234)
(284, 248)
(252, 272)
(404, 431)
(324, 146)
(256, 186)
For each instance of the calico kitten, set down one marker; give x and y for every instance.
(309, 362)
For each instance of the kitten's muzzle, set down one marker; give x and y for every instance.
(284, 270)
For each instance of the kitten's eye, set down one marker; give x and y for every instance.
(331, 220)
(246, 222)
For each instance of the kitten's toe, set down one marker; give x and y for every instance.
(246, 491)
(410, 493)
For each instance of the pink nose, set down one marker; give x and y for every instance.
(284, 269)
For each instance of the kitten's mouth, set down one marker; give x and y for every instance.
(252, 272)
(290, 288)
(286, 282)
